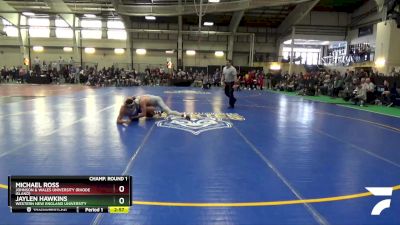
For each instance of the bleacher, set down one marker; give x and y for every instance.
(314, 68)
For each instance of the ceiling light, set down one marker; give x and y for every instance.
(119, 51)
(213, 1)
(209, 24)
(190, 52)
(219, 53)
(169, 51)
(275, 66)
(150, 17)
(380, 62)
(67, 49)
(141, 51)
(89, 15)
(38, 48)
(90, 50)
(28, 13)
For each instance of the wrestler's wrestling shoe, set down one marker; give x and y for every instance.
(186, 116)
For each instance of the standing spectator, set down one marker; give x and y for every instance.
(36, 65)
(134, 74)
(54, 66)
(45, 68)
(71, 62)
(260, 79)
(3, 74)
(60, 64)
(269, 81)
(337, 86)
(75, 72)
(229, 77)
(22, 75)
(14, 74)
(393, 72)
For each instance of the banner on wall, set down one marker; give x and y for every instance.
(364, 31)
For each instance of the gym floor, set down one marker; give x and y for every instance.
(288, 161)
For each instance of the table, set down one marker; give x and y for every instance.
(38, 80)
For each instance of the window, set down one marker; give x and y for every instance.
(63, 30)
(10, 30)
(309, 56)
(117, 30)
(91, 33)
(39, 27)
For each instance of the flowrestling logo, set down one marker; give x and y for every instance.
(384, 204)
(200, 122)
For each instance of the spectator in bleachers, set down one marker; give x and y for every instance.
(260, 79)
(370, 88)
(71, 62)
(217, 77)
(327, 83)
(337, 86)
(45, 68)
(3, 73)
(359, 94)
(60, 64)
(36, 65)
(268, 78)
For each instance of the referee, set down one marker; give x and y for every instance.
(229, 77)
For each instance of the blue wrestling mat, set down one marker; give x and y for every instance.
(274, 159)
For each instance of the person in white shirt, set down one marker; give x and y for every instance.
(370, 89)
(60, 64)
(71, 61)
(229, 79)
(360, 94)
(369, 85)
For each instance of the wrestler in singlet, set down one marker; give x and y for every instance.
(144, 106)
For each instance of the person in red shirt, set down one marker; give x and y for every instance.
(260, 79)
(253, 79)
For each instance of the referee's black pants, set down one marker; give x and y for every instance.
(229, 93)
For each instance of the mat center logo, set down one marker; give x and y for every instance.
(200, 122)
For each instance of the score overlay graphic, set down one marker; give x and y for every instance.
(70, 194)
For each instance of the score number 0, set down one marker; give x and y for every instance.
(121, 200)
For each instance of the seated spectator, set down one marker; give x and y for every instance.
(206, 82)
(348, 91)
(359, 95)
(217, 78)
(327, 83)
(198, 80)
(247, 81)
(370, 88)
(386, 97)
(290, 86)
(394, 95)
(337, 86)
